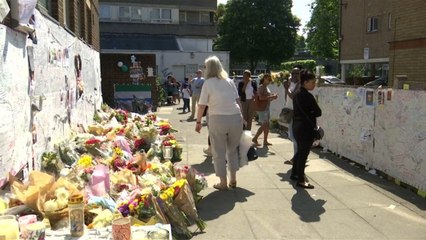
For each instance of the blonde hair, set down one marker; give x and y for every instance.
(214, 68)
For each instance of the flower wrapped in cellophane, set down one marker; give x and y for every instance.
(149, 133)
(185, 202)
(142, 206)
(197, 181)
(174, 215)
(165, 127)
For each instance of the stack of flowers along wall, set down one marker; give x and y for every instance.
(46, 90)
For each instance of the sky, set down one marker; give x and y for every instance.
(300, 9)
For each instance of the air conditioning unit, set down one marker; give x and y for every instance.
(4, 9)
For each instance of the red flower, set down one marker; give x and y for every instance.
(139, 143)
(93, 141)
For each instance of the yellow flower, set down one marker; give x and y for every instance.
(85, 161)
(118, 151)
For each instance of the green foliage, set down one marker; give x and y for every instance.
(254, 31)
(161, 94)
(357, 71)
(307, 64)
(300, 42)
(323, 29)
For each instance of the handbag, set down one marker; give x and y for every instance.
(260, 105)
(318, 133)
(252, 153)
(286, 115)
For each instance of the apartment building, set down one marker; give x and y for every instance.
(365, 34)
(384, 39)
(407, 47)
(178, 33)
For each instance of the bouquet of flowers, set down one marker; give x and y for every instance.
(50, 163)
(280, 77)
(169, 140)
(165, 128)
(197, 181)
(185, 202)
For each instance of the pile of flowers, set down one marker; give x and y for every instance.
(119, 165)
(279, 78)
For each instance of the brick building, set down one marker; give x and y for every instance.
(80, 17)
(384, 39)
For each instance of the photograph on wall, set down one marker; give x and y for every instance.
(380, 98)
(389, 95)
(369, 98)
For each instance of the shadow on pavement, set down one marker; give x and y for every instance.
(359, 171)
(308, 209)
(219, 203)
(205, 167)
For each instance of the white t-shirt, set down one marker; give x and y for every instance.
(221, 97)
(185, 93)
(249, 91)
(289, 101)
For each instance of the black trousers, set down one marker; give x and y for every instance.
(299, 161)
(186, 104)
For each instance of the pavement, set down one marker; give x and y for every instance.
(348, 202)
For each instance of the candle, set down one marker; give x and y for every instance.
(167, 152)
(9, 227)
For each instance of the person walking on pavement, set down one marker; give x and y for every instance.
(220, 94)
(265, 96)
(186, 96)
(196, 86)
(247, 89)
(306, 110)
(290, 88)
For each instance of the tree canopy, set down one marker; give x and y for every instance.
(257, 30)
(323, 29)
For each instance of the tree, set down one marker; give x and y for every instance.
(257, 30)
(300, 42)
(323, 29)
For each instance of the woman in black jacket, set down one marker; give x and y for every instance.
(306, 110)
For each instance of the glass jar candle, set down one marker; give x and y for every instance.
(9, 227)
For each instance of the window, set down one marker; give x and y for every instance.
(182, 17)
(105, 13)
(372, 24)
(136, 14)
(389, 21)
(204, 17)
(192, 17)
(124, 13)
(46, 5)
(161, 15)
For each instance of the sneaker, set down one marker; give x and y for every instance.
(208, 151)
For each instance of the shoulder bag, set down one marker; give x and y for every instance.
(260, 105)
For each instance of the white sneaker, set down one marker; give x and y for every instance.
(208, 151)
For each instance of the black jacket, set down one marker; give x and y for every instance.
(306, 110)
(242, 93)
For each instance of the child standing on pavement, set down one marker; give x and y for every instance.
(186, 96)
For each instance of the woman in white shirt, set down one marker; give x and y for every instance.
(220, 94)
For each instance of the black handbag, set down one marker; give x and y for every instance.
(252, 153)
(318, 133)
(286, 115)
